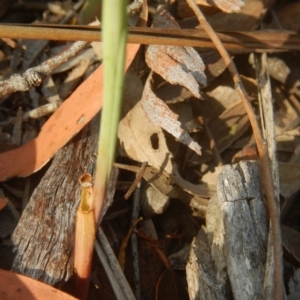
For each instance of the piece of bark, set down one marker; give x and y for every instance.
(227, 259)
(203, 279)
(44, 237)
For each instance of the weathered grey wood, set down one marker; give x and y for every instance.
(205, 281)
(44, 236)
(236, 239)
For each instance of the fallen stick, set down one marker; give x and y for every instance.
(242, 40)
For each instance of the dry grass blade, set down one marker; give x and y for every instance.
(262, 149)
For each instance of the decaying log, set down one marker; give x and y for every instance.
(44, 237)
(227, 258)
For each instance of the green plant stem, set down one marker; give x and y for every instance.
(114, 48)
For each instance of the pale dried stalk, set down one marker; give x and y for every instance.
(85, 231)
(262, 150)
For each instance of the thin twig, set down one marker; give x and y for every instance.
(137, 180)
(262, 150)
(35, 76)
(135, 169)
(134, 242)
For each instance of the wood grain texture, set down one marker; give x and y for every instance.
(44, 237)
(227, 259)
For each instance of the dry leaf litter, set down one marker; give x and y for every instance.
(182, 116)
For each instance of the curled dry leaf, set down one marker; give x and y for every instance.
(160, 115)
